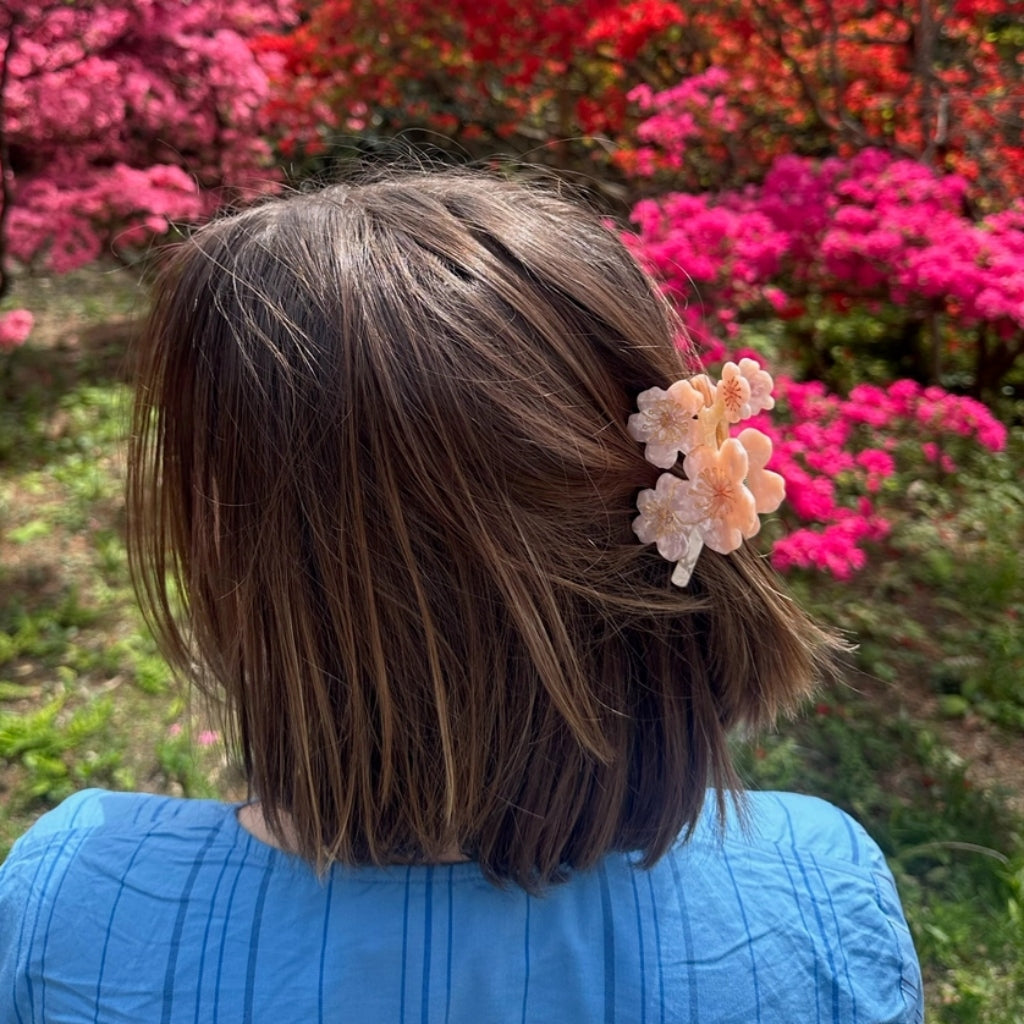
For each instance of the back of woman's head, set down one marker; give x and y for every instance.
(381, 491)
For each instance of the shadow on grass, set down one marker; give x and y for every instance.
(97, 354)
(38, 385)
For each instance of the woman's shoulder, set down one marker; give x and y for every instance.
(102, 834)
(798, 881)
(90, 809)
(99, 880)
(803, 843)
(805, 823)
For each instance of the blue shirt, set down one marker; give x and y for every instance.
(125, 907)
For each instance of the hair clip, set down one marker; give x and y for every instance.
(726, 485)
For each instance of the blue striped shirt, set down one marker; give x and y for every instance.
(122, 907)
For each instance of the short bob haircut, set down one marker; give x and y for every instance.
(380, 495)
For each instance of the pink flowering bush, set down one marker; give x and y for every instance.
(686, 120)
(77, 220)
(888, 237)
(118, 118)
(716, 263)
(871, 247)
(847, 462)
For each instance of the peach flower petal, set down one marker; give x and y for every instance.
(663, 517)
(768, 488)
(761, 385)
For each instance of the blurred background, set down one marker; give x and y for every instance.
(831, 187)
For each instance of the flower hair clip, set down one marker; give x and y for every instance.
(726, 484)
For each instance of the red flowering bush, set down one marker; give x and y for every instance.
(503, 74)
(933, 79)
(936, 81)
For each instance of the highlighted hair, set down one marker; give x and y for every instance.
(380, 494)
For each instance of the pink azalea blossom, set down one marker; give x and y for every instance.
(15, 327)
(103, 94)
(872, 232)
(881, 229)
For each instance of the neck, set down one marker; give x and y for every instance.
(250, 817)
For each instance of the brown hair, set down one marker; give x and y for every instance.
(380, 494)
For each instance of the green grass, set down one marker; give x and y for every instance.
(85, 699)
(924, 745)
(957, 855)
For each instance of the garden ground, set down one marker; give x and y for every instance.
(923, 743)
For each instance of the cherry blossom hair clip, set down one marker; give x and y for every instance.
(726, 484)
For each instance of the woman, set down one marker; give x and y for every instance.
(383, 490)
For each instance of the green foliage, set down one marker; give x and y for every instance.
(85, 699)
(60, 753)
(940, 656)
(84, 695)
(183, 768)
(30, 531)
(874, 343)
(958, 858)
(975, 586)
